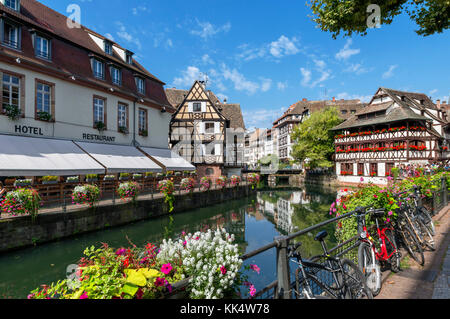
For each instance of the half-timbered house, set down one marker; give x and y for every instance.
(395, 128)
(206, 132)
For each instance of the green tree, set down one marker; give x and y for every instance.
(313, 140)
(335, 16)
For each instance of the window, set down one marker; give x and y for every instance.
(143, 124)
(42, 47)
(99, 110)
(209, 171)
(10, 36)
(12, 4)
(360, 169)
(122, 117)
(43, 98)
(209, 128)
(140, 84)
(129, 57)
(373, 169)
(98, 69)
(197, 107)
(108, 47)
(116, 75)
(11, 91)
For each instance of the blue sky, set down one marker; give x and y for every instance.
(267, 55)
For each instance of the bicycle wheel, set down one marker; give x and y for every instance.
(427, 220)
(392, 248)
(412, 244)
(313, 289)
(369, 267)
(427, 238)
(355, 281)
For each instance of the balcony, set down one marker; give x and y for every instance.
(382, 135)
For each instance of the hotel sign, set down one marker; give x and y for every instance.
(25, 129)
(99, 138)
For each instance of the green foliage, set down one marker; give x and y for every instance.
(50, 178)
(12, 111)
(350, 17)
(313, 139)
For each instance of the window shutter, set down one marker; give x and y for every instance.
(203, 107)
(203, 149)
(216, 127)
(190, 107)
(217, 149)
(201, 128)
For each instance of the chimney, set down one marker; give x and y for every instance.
(224, 101)
(305, 100)
(334, 99)
(438, 104)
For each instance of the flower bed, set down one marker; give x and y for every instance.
(210, 260)
(128, 190)
(85, 194)
(22, 201)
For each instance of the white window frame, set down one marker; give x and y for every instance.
(45, 96)
(45, 49)
(143, 120)
(116, 75)
(108, 47)
(12, 4)
(98, 68)
(12, 43)
(140, 84)
(10, 84)
(99, 110)
(122, 115)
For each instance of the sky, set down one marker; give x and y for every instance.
(266, 54)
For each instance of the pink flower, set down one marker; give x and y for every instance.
(84, 296)
(166, 269)
(375, 196)
(390, 213)
(160, 282)
(252, 291)
(255, 268)
(362, 179)
(223, 270)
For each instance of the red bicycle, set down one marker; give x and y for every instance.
(376, 252)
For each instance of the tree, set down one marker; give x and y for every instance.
(432, 16)
(313, 140)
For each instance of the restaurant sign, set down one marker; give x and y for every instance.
(99, 138)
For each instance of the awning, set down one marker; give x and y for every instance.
(168, 158)
(120, 159)
(29, 156)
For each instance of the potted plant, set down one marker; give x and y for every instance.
(124, 176)
(128, 190)
(23, 183)
(149, 175)
(22, 201)
(143, 133)
(221, 181)
(91, 178)
(50, 180)
(188, 184)
(72, 179)
(109, 177)
(100, 126)
(123, 129)
(44, 116)
(12, 111)
(177, 173)
(85, 194)
(205, 183)
(137, 176)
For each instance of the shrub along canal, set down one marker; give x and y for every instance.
(254, 221)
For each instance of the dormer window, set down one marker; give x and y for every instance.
(12, 4)
(108, 47)
(129, 57)
(10, 35)
(42, 47)
(140, 84)
(98, 69)
(116, 75)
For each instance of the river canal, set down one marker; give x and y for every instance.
(254, 221)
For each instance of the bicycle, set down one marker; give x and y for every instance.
(371, 256)
(346, 281)
(407, 234)
(423, 213)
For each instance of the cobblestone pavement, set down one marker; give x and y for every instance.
(430, 281)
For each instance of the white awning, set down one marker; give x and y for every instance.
(168, 158)
(29, 156)
(120, 159)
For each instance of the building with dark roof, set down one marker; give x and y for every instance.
(300, 111)
(396, 128)
(61, 80)
(207, 132)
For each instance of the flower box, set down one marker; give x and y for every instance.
(23, 183)
(72, 179)
(109, 177)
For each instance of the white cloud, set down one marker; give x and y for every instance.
(356, 68)
(346, 52)
(188, 77)
(347, 96)
(282, 85)
(306, 74)
(432, 92)
(206, 59)
(125, 35)
(109, 36)
(208, 30)
(261, 118)
(283, 46)
(389, 73)
(266, 84)
(242, 84)
(321, 69)
(139, 9)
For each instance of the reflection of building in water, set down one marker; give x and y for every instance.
(281, 208)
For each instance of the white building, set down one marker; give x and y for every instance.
(75, 102)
